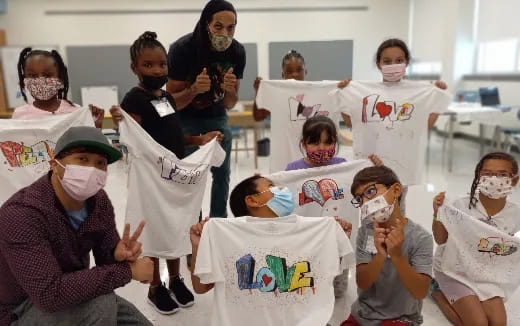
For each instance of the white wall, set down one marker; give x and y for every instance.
(427, 30)
(434, 37)
(498, 19)
(26, 23)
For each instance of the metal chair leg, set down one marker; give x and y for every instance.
(245, 141)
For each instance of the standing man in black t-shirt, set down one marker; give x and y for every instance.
(205, 68)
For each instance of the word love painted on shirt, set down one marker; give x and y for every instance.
(19, 155)
(274, 278)
(175, 173)
(377, 110)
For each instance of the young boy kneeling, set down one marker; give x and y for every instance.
(393, 254)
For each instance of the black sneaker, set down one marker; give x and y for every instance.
(180, 293)
(162, 301)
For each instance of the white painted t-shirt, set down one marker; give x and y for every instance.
(507, 220)
(391, 121)
(324, 191)
(165, 191)
(479, 255)
(26, 147)
(272, 271)
(291, 103)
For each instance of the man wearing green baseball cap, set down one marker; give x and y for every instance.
(47, 231)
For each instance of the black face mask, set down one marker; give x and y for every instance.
(153, 83)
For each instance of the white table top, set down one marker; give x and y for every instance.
(473, 112)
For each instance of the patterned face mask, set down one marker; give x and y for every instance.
(220, 42)
(495, 187)
(42, 88)
(321, 156)
(377, 209)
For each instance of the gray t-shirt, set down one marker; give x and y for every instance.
(388, 298)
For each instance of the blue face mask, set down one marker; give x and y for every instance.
(282, 203)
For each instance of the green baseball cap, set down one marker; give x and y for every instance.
(88, 137)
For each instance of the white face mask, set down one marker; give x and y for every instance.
(495, 187)
(377, 209)
(82, 182)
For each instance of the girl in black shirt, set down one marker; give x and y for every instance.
(154, 109)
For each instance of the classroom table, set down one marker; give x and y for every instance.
(471, 112)
(5, 115)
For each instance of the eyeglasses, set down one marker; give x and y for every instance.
(500, 174)
(369, 193)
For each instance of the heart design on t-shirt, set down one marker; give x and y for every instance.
(320, 192)
(383, 109)
(266, 279)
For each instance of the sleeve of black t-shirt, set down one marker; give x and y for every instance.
(133, 103)
(241, 62)
(178, 61)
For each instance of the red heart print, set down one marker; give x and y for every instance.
(266, 279)
(383, 109)
(335, 208)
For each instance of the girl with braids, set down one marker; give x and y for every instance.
(495, 176)
(44, 75)
(293, 67)
(149, 64)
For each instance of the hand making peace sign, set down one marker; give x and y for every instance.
(128, 248)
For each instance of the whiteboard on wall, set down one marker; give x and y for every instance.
(9, 55)
(101, 96)
(91, 65)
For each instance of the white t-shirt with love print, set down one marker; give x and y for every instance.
(390, 119)
(26, 147)
(272, 271)
(165, 191)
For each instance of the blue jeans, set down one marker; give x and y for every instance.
(221, 175)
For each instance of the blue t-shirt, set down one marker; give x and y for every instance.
(301, 164)
(77, 217)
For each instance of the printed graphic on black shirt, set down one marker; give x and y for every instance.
(216, 72)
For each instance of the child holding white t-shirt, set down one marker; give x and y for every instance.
(320, 142)
(495, 176)
(293, 67)
(391, 118)
(258, 197)
(155, 110)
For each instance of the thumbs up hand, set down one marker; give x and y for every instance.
(230, 81)
(202, 83)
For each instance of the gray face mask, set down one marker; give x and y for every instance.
(220, 42)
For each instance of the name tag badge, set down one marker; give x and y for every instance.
(163, 107)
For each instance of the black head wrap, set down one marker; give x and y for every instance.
(200, 34)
